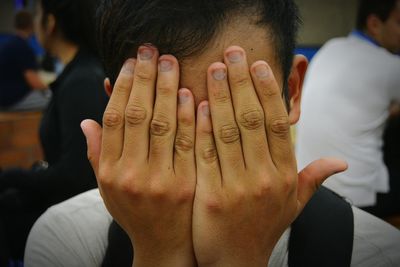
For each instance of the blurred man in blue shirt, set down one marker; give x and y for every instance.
(20, 84)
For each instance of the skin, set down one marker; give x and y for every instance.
(386, 33)
(215, 188)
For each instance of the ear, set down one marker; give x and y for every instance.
(295, 84)
(107, 86)
(50, 25)
(374, 26)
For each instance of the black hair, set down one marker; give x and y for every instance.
(380, 8)
(23, 20)
(184, 28)
(75, 20)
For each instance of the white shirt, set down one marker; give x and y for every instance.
(74, 234)
(346, 97)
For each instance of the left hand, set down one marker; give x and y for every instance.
(248, 190)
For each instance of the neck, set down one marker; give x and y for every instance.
(372, 36)
(64, 51)
(367, 36)
(23, 34)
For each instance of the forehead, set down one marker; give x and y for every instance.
(255, 40)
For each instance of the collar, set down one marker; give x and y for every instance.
(361, 35)
(67, 69)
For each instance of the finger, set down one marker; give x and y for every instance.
(113, 118)
(184, 161)
(276, 117)
(92, 131)
(226, 132)
(139, 108)
(163, 124)
(313, 175)
(207, 165)
(248, 110)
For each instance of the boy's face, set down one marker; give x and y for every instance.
(390, 31)
(253, 39)
(258, 45)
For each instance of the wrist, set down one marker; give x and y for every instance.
(176, 259)
(238, 259)
(164, 256)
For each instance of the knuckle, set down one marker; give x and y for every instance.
(158, 191)
(209, 154)
(164, 90)
(129, 187)
(268, 89)
(160, 127)
(122, 89)
(241, 81)
(185, 194)
(135, 115)
(288, 185)
(103, 178)
(183, 143)
(252, 119)
(214, 204)
(229, 134)
(264, 189)
(106, 179)
(185, 119)
(143, 77)
(280, 127)
(221, 96)
(112, 118)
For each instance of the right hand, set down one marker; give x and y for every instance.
(144, 159)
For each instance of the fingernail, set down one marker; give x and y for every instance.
(183, 97)
(128, 66)
(145, 53)
(165, 65)
(235, 56)
(219, 74)
(205, 110)
(262, 71)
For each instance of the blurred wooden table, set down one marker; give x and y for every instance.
(19, 139)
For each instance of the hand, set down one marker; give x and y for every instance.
(144, 159)
(248, 190)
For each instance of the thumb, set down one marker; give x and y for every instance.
(93, 132)
(312, 176)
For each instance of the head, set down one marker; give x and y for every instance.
(381, 20)
(70, 21)
(24, 22)
(198, 31)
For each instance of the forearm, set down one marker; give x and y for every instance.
(34, 81)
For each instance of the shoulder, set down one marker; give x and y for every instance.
(82, 87)
(72, 233)
(84, 76)
(376, 243)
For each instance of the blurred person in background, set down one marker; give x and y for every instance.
(348, 91)
(386, 203)
(65, 28)
(20, 85)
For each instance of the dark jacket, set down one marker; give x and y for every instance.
(78, 94)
